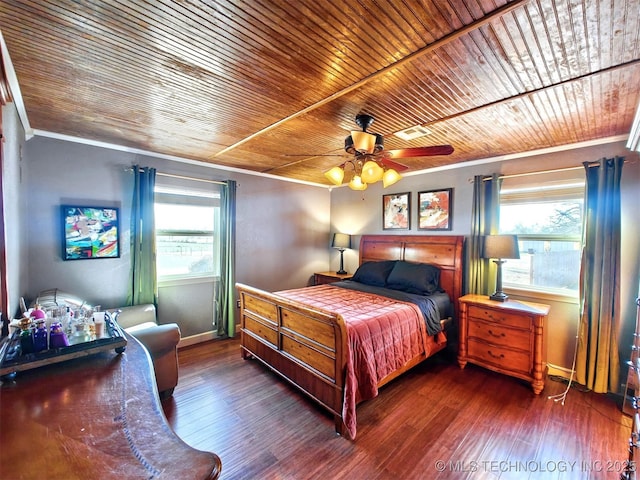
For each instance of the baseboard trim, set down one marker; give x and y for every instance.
(558, 371)
(199, 338)
(202, 337)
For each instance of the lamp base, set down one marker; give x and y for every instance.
(499, 297)
(342, 271)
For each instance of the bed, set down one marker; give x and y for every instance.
(309, 336)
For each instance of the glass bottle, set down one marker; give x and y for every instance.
(79, 328)
(26, 336)
(57, 337)
(66, 319)
(40, 342)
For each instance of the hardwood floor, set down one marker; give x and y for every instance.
(434, 422)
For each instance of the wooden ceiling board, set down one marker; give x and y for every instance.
(254, 85)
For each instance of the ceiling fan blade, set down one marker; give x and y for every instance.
(420, 151)
(398, 167)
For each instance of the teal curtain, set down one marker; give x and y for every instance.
(485, 220)
(226, 309)
(597, 362)
(143, 287)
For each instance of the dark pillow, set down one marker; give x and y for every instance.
(418, 278)
(374, 273)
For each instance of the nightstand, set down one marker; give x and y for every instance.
(320, 278)
(507, 337)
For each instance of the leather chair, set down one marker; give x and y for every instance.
(161, 341)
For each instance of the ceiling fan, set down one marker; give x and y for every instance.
(371, 162)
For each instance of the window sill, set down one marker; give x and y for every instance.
(184, 280)
(542, 295)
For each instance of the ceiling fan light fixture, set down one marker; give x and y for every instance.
(348, 145)
(363, 142)
(372, 172)
(335, 175)
(357, 184)
(379, 143)
(370, 164)
(390, 177)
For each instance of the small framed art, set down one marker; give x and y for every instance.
(90, 232)
(396, 211)
(435, 209)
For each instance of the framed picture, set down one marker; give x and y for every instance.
(435, 209)
(396, 211)
(90, 232)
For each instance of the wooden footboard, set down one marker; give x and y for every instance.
(308, 347)
(305, 346)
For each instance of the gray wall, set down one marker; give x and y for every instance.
(14, 197)
(361, 213)
(58, 172)
(282, 228)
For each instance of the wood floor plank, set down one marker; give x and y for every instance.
(434, 422)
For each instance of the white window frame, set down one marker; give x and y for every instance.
(185, 196)
(537, 190)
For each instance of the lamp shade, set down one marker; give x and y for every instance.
(390, 177)
(335, 175)
(371, 172)
(356, 183)
(363, 141)
(341, 240)
(501, 246)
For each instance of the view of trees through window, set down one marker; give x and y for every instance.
(549, 236)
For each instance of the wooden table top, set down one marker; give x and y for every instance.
(93, 417)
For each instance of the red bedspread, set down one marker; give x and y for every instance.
(383, 335)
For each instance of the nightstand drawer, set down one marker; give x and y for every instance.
(493, 315)
(514, 360)
(322, 278)
(500, 335)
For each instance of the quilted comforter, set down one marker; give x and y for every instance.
(383, 335)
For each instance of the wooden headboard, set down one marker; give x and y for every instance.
(444, 251)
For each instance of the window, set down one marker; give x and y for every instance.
(547, 217)
(186, 240)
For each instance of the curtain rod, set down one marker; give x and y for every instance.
(183, 177)
(514, 175)
(541, 172)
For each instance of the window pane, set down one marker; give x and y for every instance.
(183, 217)
(546, 264)
(549, 218)
(185, 242)
(185, 255)
(549, 234)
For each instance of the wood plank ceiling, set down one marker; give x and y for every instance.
(267, 85)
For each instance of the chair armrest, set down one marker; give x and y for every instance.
(135, 315)
(158, 339)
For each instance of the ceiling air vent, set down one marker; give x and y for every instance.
(412, 133)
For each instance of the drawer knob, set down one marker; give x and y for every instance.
(496, 335)
(499, 357)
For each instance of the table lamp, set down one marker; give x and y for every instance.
(500, 247)
(341, 241)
